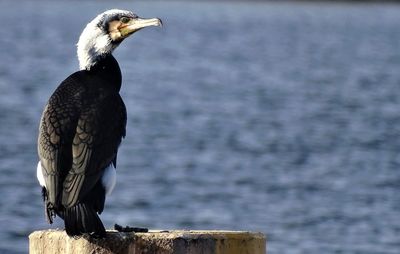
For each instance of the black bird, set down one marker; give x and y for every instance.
(82, 126)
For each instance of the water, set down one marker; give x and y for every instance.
(278, 117)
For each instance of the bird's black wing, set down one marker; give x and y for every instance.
(99, 131)
(56, 131)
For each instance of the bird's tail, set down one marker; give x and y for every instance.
(83, 219)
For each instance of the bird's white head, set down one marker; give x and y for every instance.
(105, 32)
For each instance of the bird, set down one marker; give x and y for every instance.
(82, 126)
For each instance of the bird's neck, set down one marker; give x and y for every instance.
(93, 45)
(107, 68)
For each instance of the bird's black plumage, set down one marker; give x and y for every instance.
(80, 131)
(82, 127)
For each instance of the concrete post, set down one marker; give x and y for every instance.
(153, 242)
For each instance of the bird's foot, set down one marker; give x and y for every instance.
(120, 228)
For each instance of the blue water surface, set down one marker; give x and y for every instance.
(281, 118)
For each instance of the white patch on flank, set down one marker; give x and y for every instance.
(109, 178)
(39, 175)
(94, 41)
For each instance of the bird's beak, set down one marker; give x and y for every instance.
(138, 23)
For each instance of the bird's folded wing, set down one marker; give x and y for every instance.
(98, 134)
(53, 148)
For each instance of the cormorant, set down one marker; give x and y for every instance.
(82, 126)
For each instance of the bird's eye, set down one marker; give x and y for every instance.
(125, 20)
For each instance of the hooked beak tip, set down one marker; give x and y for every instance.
(160, 23)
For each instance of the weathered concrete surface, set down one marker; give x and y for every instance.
(153, 242)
